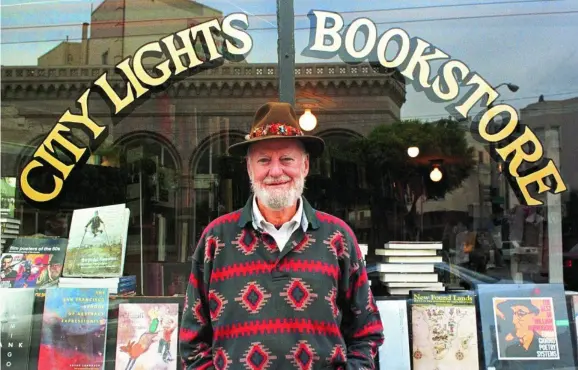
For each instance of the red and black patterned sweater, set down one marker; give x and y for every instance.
(249, 306)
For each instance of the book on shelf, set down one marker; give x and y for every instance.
(413, 245)
(395, 323)
(403, 267)
(405, 252)
(413, 259)
(408, 278)
(444, 331)
(536, 314)
(97, 242)
(33, 262)
(74, 328)
(147, 336)
(16, 318)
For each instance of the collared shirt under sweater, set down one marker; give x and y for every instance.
(252, 305)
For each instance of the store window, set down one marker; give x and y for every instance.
(412, 163)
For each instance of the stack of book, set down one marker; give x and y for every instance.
(409, 266)
(9, 229)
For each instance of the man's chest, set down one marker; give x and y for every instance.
(251, 272)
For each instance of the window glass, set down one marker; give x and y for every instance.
(165, 151)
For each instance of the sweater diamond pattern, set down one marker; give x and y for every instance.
(222, 360)
(258, 357)
(253, 297)
(298, 294)
(332, 299)
(337, 355)
(198, 312)
(337, 245)
(303, 356)
(217, 304)
(212, 247)
(303, 244)
(246, 242)
(270, 244)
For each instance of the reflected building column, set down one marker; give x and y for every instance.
(184, 194)
(554, 213)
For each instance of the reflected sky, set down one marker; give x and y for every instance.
(526, 42)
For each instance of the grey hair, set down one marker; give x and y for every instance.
(299, 143)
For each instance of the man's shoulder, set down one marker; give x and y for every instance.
(333, 222)
(229, 219)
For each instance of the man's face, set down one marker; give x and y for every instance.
(277, 169)
(523, 319)
(6, 263)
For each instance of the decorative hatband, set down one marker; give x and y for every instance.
(275, 129)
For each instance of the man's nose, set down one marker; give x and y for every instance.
(275, 170)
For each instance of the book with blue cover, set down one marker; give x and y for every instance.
(74, 328)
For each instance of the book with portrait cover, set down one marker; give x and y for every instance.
(444, 331)
(16, 316)
(147, 336)
(74, 327)
(525, 326)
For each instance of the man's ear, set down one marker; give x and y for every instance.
(248, 161)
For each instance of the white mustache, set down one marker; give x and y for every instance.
(276, 180)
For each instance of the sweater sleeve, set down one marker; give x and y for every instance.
(196, 332)
(361, 326)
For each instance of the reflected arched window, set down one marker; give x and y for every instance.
(152, 195)
(220, 182)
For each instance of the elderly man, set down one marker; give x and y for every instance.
(278, 284)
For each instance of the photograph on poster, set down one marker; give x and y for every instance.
(525, 329)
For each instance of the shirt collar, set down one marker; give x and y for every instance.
(299, 217)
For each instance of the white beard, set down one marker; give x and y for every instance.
(279, 199)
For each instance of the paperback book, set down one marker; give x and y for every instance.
(444, 331)
(97, 242)
(147, 336)
(74, 327)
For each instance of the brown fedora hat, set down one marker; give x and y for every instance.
(276, 120)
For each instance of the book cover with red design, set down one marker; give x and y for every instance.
(147, 336)
(74, 326)
(33, 262)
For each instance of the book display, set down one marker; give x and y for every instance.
(97, 242)
(526, 326)
(33, 262)
(68, 303)
(147, 334)
(444, 332)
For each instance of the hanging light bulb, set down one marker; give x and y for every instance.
(435, 175)
(413, 151)
(307, 121)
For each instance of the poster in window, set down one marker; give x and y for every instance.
(526, 329)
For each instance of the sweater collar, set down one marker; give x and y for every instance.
(247, 213)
